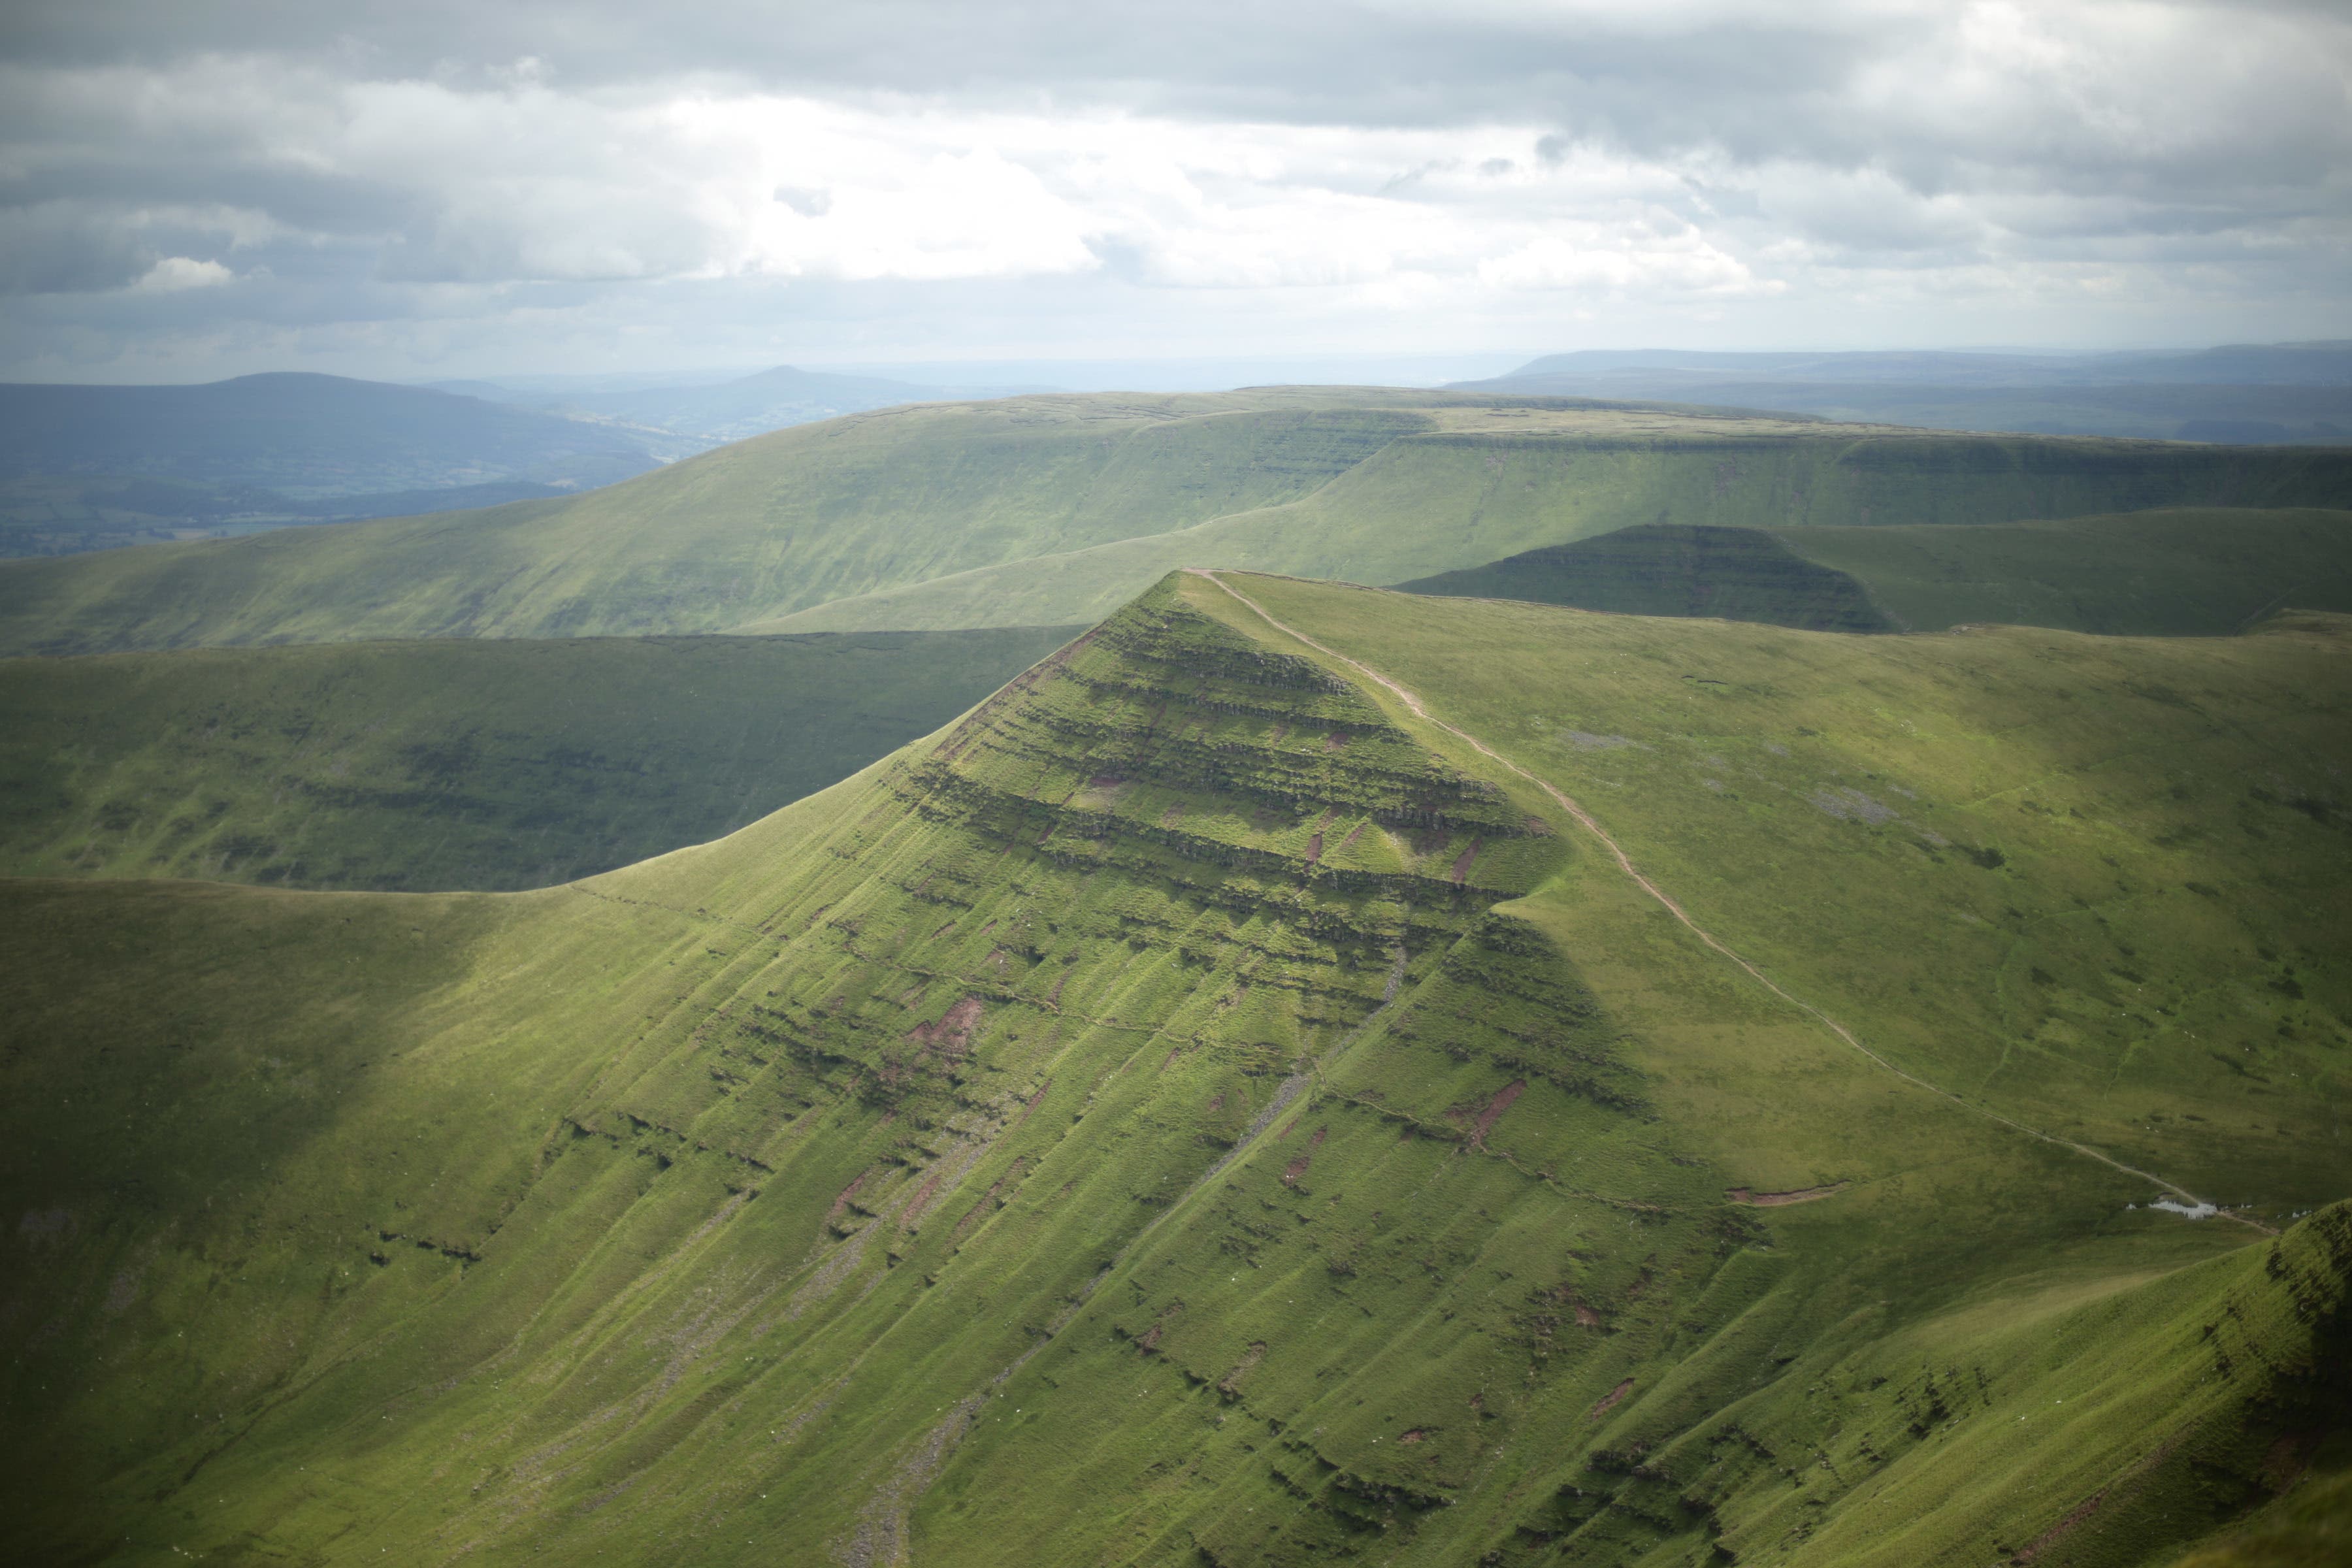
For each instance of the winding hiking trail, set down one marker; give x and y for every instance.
(1625, 863)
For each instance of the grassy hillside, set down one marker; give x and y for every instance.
(763, 527)
(2180, 571)
(1503, 481)
(453, 764)
(1676, 569)
(1051, 511)
(1210, 1106)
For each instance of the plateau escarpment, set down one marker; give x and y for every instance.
(1053, 510)
(1203, 1106)
(1496, 479)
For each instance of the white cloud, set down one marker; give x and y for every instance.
(1620, 264)
(174, 273)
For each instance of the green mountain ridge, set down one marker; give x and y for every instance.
(1457, 498)
(1056, 510)
(795, 516)
(1223, 1099)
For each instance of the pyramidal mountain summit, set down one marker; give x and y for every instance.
(1300, 1073)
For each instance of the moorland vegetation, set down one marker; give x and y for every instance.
(1300, 1073)
(1055, 511)
(1302, 1069)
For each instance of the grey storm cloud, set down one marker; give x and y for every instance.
(1354, 63)
(1660, 74)
(1461, 158)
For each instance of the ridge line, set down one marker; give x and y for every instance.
(1625, 863)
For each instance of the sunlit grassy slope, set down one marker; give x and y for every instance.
(481, 764)
(1051, 511)
(1197, 1109)
(1490, 482)
(763, 527)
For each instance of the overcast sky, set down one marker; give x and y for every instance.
(192, 188)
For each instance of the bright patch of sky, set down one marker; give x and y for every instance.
(200, 189)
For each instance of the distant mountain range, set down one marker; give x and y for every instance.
(85, 467)
(302, 435)
(2275, 394)
(1055, 511)
(693, 414)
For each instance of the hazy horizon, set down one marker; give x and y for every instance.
(1160, 373)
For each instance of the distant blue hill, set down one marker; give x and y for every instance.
(696, 414)
(303, 436)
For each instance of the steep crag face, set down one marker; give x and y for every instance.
(1210, 1105)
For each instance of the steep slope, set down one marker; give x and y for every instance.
(1501, 480)
(475, 764)
(1237, 1097)
(2177, 571)
(1674, 568)
(760, 528)
(1056, 510)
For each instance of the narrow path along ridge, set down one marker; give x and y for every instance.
(1584, 819)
